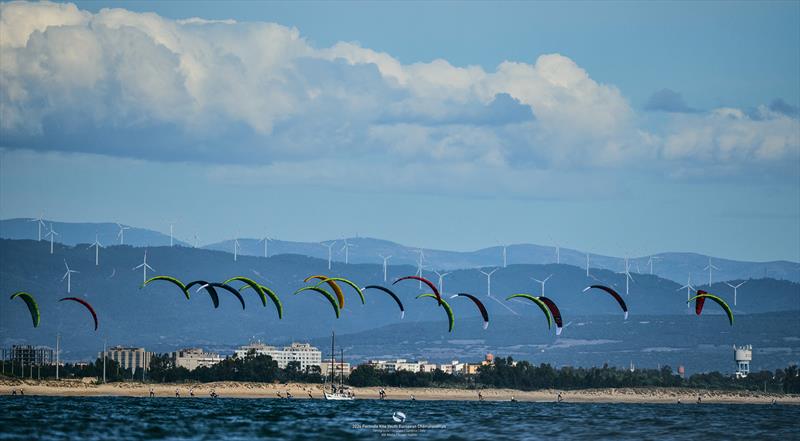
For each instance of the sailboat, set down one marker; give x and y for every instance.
(342, 393)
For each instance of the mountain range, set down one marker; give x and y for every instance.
(160, 318)
(675, 266)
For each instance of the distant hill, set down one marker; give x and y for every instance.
(69, 233)
(159, 316)
(674, 266)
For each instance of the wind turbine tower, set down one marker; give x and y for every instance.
(171, 231)
(587, 264)
(144, 266)
(68, 276)
(628, 277)
(488, 281)
(420, 259)
(688, 287)
(96, 245)
(650, 262)
(121, 233)
(330, 253)
(385, 259)
(441, 280)
(346, 248)
(504, 255)
(236, 248)
(39, 223)
(266, 240)
(52, 233)
(735, 287)
(543, 282)
(710, 267)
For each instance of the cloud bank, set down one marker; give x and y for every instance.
(138, 85)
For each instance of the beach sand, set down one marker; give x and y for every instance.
(301, 391)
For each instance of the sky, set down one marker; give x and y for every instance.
(611, 127)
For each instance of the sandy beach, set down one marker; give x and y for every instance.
(302, 391)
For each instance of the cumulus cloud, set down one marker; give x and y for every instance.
(258, 94)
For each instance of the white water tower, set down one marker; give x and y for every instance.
(743, 356)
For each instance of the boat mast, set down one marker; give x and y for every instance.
(341, 369)
(333, 355)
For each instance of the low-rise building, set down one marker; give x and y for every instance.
(340, 368)
(193, 358)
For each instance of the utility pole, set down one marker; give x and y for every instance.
(104, 360)
(58, 337)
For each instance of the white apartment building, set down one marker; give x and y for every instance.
(303, 353)
(193, 358)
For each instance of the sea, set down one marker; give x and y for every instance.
(126, 418)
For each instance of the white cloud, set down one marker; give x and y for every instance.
(140, 85)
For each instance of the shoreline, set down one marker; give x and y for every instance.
(229, 389)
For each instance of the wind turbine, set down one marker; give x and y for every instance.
(96, 245)
(628, 277)
(52, 233)
(121, 233)
(709, 267)
(195, 240)
(40, 223)
(68, 276)
(330, 247)
(346, 249)
(421, 257)
(171, 230)
(504, 255)
(587, 264)
(236, 248)
(441, 280)
(385, 259)
(543, 282)
(735, 287)
(688, 288)
(558, 253)
(488, 281)
(144, 266)
(650, 262)
(266, 240)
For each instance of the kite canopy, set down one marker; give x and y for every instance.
(326, 294)
(209, 289)
(479, 304)
(228, 288)
(425, 281)
(170, 279)
(719, 301)
(447, 309)
(334, 286)
(551, 305)
(87, 305)
(698, 304)
(33, 307)
(272, 296)
(613, 294)
(394, 296)
(542, 305)
(350, 284)
(252, 284)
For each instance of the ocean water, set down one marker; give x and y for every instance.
(122, 418)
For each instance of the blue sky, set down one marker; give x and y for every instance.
(611, 127)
